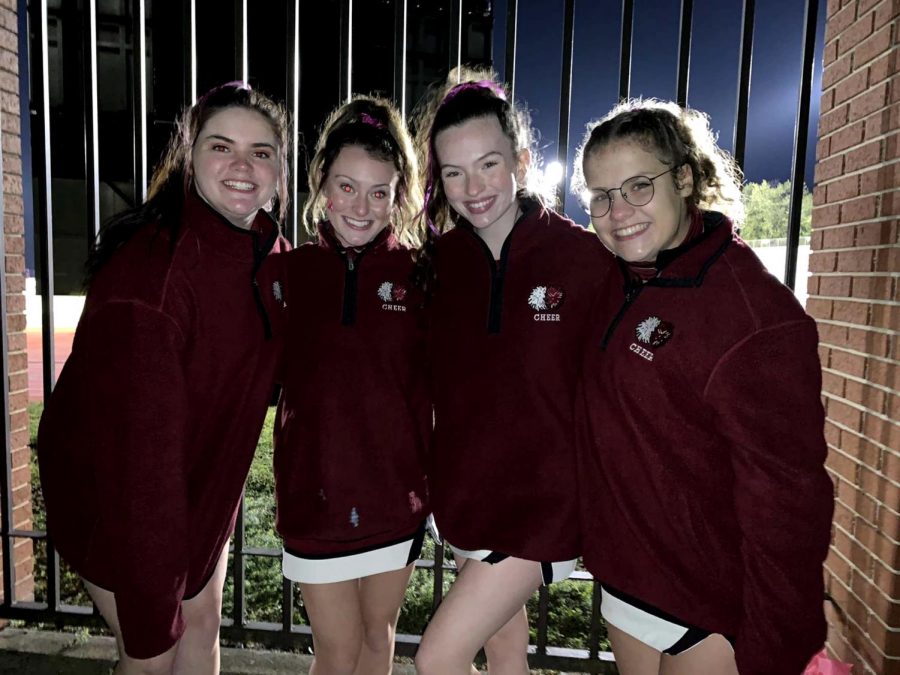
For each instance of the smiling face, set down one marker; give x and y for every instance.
(360, 190)
(235, 162)
(638, 233)
(480, 173)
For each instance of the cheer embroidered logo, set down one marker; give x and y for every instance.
(544, 299)
(392, 295)
(652, 331)
(277, 293)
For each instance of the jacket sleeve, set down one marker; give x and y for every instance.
(766, 396)
(137, 356)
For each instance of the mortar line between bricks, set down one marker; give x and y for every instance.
(870, 301)
(874, 555)
(844, 427)
(872, 413)
(874, 526)
(852, 223)
(859, 171)
(856, 460)
(880, 504)
(849, 148)
(847, 324)
(861, 380)
(861, 572)
(889, 275)
(869, 612)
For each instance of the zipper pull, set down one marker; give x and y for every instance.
(350, 265)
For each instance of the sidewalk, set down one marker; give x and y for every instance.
(40, 652)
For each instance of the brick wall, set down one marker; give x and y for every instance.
(855, 296)
(14, 269)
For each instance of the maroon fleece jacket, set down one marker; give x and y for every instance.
(506, 342)
(355, 416)
(145, 443)
(701, 451)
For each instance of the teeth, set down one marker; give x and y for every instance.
(479, 205)
(239, 185)
(630, 230)
(357, 223)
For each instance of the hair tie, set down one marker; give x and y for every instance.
(366, 118)
(488, 85)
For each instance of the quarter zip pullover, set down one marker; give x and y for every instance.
(505, 351)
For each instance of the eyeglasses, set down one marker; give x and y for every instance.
(637, 191)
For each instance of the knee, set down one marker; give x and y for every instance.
(337, 658)
(378, 637)
(202, 622)
(157, 665)
(431, 660)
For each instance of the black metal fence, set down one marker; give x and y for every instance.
(105, 79)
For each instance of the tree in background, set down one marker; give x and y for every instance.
(767, 208)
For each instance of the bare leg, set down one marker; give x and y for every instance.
(158, 665)
(483, 599)
(713, 656)
(381, 596)
(507, 649)
(633, 657)
(336, 617)
(198, 649)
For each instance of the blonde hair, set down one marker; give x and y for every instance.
(373, 124)
(677, 136)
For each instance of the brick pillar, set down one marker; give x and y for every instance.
(14, 269)
(855, 297)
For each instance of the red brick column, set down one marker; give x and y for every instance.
(854, 293)
(14, 269)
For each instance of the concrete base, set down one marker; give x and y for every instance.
(40, 652)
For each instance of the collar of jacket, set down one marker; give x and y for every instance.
(687, 265)
(328, 239)
(226, 238)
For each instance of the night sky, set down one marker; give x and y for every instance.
(775, 76)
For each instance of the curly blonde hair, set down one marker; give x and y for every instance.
(677, 136)
(374, 124)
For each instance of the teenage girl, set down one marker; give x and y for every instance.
(705, 505)
(510, 285)
(355, 416)
(147, 439)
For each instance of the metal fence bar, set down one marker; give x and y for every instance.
(191, 51)
(455, 53)
(239, 612)
(625, 49)
(346, 68)
(241, 67)
(293, 97)
(512, 7)
(139, 99)
(401, 10)
(565, 97)
(801, 129)
(44, 216)
(91, 147)
(684, 50)
(743, 88)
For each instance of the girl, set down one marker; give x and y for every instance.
(146, 441)
(355, 416)
(705, 505)
(512, 282)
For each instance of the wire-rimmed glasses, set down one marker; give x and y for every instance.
(637, 191)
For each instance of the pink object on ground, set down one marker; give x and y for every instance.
(821, 664)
